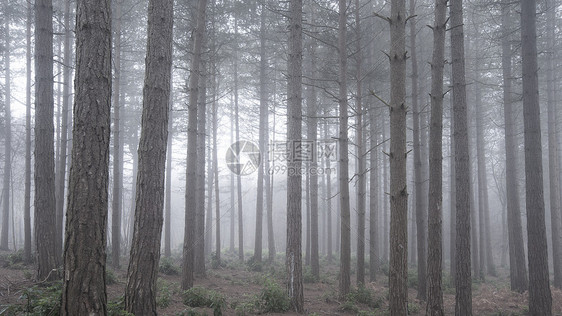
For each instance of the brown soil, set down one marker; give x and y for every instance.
(239, 286)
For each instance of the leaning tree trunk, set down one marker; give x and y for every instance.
(398, 265)
(540, 299)
(293, 253)
(84, 291)
(191, 181)
(463, 280)
(44, 205)
(435, 195)
(140, 293)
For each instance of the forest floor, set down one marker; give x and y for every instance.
(240, 291)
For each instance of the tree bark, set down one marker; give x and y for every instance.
(200, 188)
(117, 198)
(435, 195)
(84, 291)
(540, 299)
(238, 179)
(345, 247)
(7, 134)
(294, 178)
(463, 280)
(168, 201)
(140, 293)
(328, 195)
(398, 266)
(360, 154)
(374, 240)
(420, 208)
(554, 163)
(44, 205)
(27, 194)
(192, 154)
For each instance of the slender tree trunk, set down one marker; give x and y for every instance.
(312, 137)
(345, 253)
(294, 179)
(191, 181)
(44, 205)
(374, 240)
(84, 291)
(117, 151)
(7, 133)
(210, 184)
(200, 188)
(328, 195)
(385, 208)
(27, 194)
(269, 196)
(168, 201)
(463, 280)
(232, 187)
(540, 299)
(307, 207)
(421, 214)
(140, 293)
(452, 200)
(238, 179)
(360, 155)
(553, 150)
(398, 266)
(435, 195)
(216, 170)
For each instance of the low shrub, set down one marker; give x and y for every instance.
(167, 267)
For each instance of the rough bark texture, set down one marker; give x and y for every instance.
(200, 175)
(117, 198)
(420, 207)
(540, 299)
(44, 205)
(463, 280)
(294, 179)
(398, 266)
(7, 134)
(554, 162)
(84, 291)
(345, 222)
(140, 293)
(435, 195)
(191, 183)
(27, 194)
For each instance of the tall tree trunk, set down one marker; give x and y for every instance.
(398, 266)
(452, 199)
(84, 291)
(421, 214)
(188, 261)
(463, 280)
(216, 169)
(44, 205)
(540, 299)
(312, 137)
(483, 204)
(345, 253)
(7, 133)
(238, 179)
(210, 182)
(200, 188)
(329, 236)
(27, 194)
(262, 136)
(269, 197)
(360, 155)
(294, 179)
(140, 293)
(117, 146)
(168, 201)
(232, 187)
(374, 240)
(385, 208)
(554, 163)
(435, 195)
